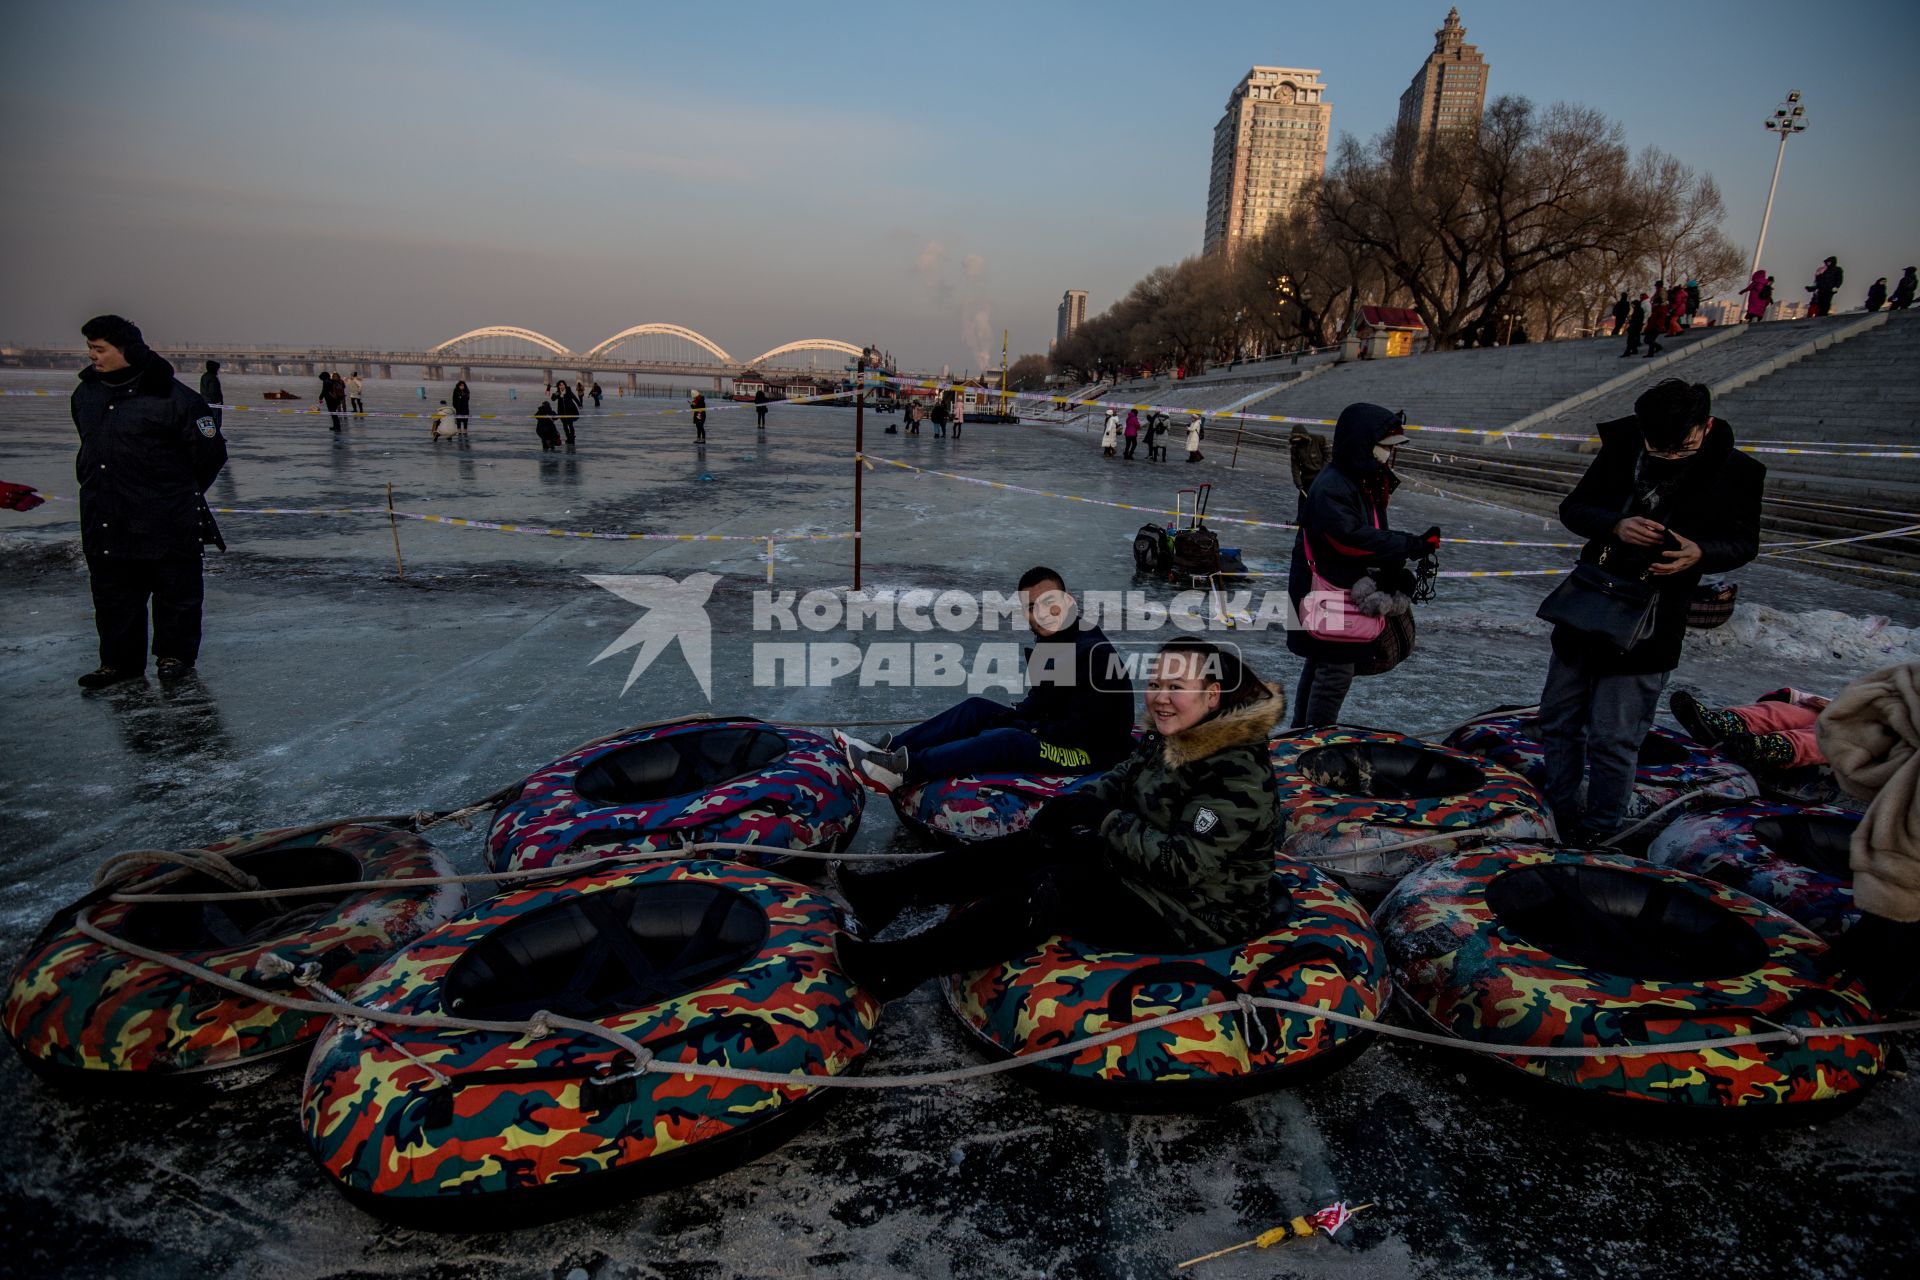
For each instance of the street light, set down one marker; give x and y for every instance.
(1787, 119)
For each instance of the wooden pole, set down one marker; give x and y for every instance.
(859, 461)
(1240, 429)
(394, 521)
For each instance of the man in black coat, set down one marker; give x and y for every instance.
(149, 448)
(1621, 310)
(1826, 283)
(211, 393)
(1077, 716)
(1667, 500)
(1343, 526)
(1636, 323)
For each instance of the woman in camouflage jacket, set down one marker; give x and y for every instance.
(1172, 850)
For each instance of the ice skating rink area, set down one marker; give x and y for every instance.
(330, 684)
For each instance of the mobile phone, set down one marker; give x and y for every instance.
(1667, 541)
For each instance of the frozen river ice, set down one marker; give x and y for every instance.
(329, 685)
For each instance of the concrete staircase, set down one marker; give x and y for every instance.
(1866, 389)
(1484, 389)
(1709, 362)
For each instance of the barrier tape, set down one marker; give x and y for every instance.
(466, 522)
(1241, 415)
(423, 415)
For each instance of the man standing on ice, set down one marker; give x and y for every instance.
(149, 447)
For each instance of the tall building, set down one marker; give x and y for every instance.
(1270, 144)
(1448, 93)
(1073, 314)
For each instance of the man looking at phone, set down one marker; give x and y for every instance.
(1667, 499)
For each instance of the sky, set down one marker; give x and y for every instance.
(921, 176)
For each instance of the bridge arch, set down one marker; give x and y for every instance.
(667, 330)
(807, 344)
(502, 331)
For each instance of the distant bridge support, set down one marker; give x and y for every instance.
(466, 373)
(386, 371)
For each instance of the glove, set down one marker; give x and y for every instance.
(1431, 539)
(1063, 813)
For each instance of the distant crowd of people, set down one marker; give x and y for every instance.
(1666, 312)
(1154, 428)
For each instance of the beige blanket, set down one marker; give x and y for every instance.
(1871, 736)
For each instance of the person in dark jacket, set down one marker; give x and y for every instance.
(1075, 718)
(1826, 282)
(543, 420)
(462, 404)
(760, 408)
(566, 407)
(1877, 294)
(1903, 292)
(210, 392)
(1667, 500)
(1172, 850)
(1621, 310)
(149, 448)
(698, 403)
(333, 391)
(1636, 323)
(1343, 526)
(596, 393)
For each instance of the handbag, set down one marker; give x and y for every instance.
(1608, 606)
(1329, 613)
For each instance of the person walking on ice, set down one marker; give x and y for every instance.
(698, 403)
(1193, 439)
(1110, 434)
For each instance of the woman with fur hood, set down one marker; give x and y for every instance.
(1171, 850)
(1345, 542)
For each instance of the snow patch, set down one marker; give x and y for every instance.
(1813, 635)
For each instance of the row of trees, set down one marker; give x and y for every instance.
(1539, 218)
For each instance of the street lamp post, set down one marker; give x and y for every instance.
(1787, 119)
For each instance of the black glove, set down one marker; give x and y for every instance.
(1065, 812)
(1431, 538)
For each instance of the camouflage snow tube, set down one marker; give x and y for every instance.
(1320, 949)
(1671, 764)
(82, 1012)
(1348, 792)
(1528, 947)
(732, 779)
(980, 806)
(700, 961)
(1792, 857)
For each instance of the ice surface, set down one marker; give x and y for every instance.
(330, 686)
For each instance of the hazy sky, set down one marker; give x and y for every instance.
(917, 175)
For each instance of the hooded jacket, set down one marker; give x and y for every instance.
(149, 447)
(1712, 498)
(1345, 515)
(1194, 819)
(1083, 719)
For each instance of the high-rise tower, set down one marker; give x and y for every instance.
(1448, 92)
(1268, 147)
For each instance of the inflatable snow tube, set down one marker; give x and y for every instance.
(1671, 764)
(1319, 949)
(81, 1012)
(733, 779)
(1528, 947)
(1349, 792)
(1791, 857)
(980, 806)
(699, 961)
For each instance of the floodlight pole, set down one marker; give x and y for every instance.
(1788, 119)
(859, 459)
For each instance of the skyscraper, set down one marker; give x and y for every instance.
(1073, 314)
(1270, 144)
(1448, 92)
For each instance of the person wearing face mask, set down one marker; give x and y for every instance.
(1074, 718)
(1172, 850)
(1667, 500)
(1344, 542)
